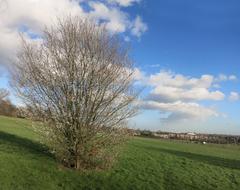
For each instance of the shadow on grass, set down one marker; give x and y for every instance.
(23, 143)
(212, 160)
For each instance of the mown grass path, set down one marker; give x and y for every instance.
(143, 164)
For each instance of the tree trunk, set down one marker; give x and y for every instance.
(78, 163)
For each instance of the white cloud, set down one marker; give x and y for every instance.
(137, 74)
(223, 77)
(180, 111)
(124, 3)
(117, 21)
(179, 96)
(232, 77)
(234, 96)
(30, 16)
(167, 93)
(170, 87)
(168, 78)
(37, 13)
(139, 27)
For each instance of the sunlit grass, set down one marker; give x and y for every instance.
(144, 164)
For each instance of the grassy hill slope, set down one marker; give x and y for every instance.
(144, 164)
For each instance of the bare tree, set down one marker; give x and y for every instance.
(3, 93)
(78, 82)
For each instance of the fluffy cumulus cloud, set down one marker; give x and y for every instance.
(30, 16)
(170, 87)
(116, 20)
(180, 111)
(181, 97)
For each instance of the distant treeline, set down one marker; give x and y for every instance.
(7, 108)
(193, 137)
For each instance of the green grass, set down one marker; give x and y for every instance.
(144, 164)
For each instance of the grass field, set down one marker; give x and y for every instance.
(144, 164)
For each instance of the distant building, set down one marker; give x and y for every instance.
(191, 133)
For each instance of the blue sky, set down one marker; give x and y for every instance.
(186, 55)
(193, 38)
